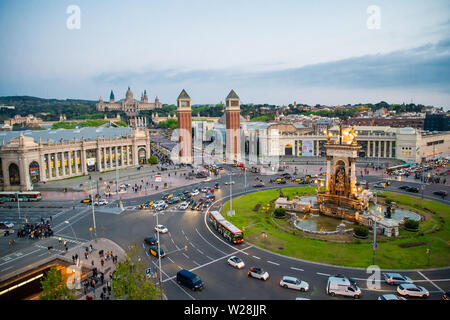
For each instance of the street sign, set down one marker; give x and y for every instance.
(157, 178)
(231, 213)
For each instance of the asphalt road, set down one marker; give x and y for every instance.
(206, 253)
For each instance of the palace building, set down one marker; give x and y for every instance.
(58, 154)
(129, 105)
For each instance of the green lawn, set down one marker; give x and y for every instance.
(356, 253)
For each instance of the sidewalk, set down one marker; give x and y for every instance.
(94, 261)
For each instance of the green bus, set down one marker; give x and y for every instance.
(10, 196)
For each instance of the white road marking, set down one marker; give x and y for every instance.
(256, 257)
(42, 254)
(192, 244)
(200, 251)
(7, 268)
(298, 269)
(323, 274)
(11, 260)
(18, 254)
(170, 259)
(209, 257)
(277, 264)
(430, 281)
(184, 254)
(198, 264)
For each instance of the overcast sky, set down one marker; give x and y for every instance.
(273, 52)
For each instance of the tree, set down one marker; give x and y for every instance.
(129, 279)
(54, 288)
(153, 160)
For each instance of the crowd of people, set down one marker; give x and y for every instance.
(39, 230)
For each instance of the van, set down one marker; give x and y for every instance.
(189, 280)
(342, 286)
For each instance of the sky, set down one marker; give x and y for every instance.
(277, 52)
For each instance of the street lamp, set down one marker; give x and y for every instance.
(375, 216)
(159, 256)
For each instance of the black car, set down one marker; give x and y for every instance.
(286, 176)
(404, 187)
(440, 193)
(151, 240)
(413, 189)
(282, 182)
(217, 186)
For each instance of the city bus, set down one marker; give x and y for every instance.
(395, 169)
(226, 228)
(23, 196)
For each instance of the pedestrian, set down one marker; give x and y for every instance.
(102, 262)
(59, 239)
(92, 262)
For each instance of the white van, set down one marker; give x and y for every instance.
(342, 286)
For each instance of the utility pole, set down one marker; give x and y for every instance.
(93, 215)
(231, 199)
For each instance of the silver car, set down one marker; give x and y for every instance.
(395, 278)
(294, 283)
(411, 290)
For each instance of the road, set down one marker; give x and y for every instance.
(206, 253)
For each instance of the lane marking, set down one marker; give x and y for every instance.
(277, 264)
(11, 260)
(200, 251)
(297, 269)
(198, 264)
(430, 281)
(323, 274)
(209, 257)
(184, 254)
(256, 257)
(192, 244)
(170, 259)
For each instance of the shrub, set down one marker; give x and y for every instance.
(412, 224)
(361, 231)
(280, 213)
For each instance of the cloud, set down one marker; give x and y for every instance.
(425, 67)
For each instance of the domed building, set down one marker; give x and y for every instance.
(129, 105)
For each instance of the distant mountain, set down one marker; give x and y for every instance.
(51, 108)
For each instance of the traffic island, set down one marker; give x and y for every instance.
(277, 235)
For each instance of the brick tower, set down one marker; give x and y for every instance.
(233, 126)
(184, 113)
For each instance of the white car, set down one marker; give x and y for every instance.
(161, 207)
(158, 203)
(125, 185)
(101, 202)
(183, 206)
(160, 228)
(236, 262)
(7, 224)
(194, 192)
(294, 283)
(258, 273)
(411, 290)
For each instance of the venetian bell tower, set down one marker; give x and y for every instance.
(184, 113)
(233, 127)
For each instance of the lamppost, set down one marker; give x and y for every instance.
(93, 215)
(375, 216)
(159, 256)
(18, 205)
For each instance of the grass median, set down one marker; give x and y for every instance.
(254, 216)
